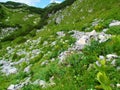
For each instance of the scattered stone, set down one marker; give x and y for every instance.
(7, 68)
(105, 30)
(111, 56)
(96, 22)
(82, 39)
(42, 83)
(101, 57)
(103, 38)
(58, 20)
(63, 56)
(36, 51)
(27, 69)
(52, 83)
(114, 23)
(45, 43)
(8, 48)
(44, 63)
(60, 34)
(92, 33)
(20, 85)
(11, 87)
(30, 15)
(118, 85)
(19, 62)
(113, 62)
(98, 63)
(7, 31)
(26, 82)
(53, 43)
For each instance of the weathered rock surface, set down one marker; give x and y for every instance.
(83, 39)
(20, 85)
(7, 68)
(60, 34)
(11, 87)
(114, 23)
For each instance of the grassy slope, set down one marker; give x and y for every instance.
(77, 77)
(19, 18)
(78, 17)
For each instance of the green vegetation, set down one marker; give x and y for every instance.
(115, 30)
(41, 36)
(101, 75)
(23, 21)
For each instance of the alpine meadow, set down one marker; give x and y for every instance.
(73, 45)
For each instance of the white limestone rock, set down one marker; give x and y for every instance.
(63, 56)
(52, 83)
(118, 85)
(111, 56)
(42, 83)
(27, 69)
(59, 19)
(53, 43)
(105, 30)
(7, 68)
(60, 34)
(113, 62)
(36, 51)
(102, 38)
(114, 23)
(92, 33)
(81, 41)
(98, 63)
(101, 57)
(44, 63)
(11, 87)
(96, 22)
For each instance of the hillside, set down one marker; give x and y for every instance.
(69, 46)
(16, 22)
